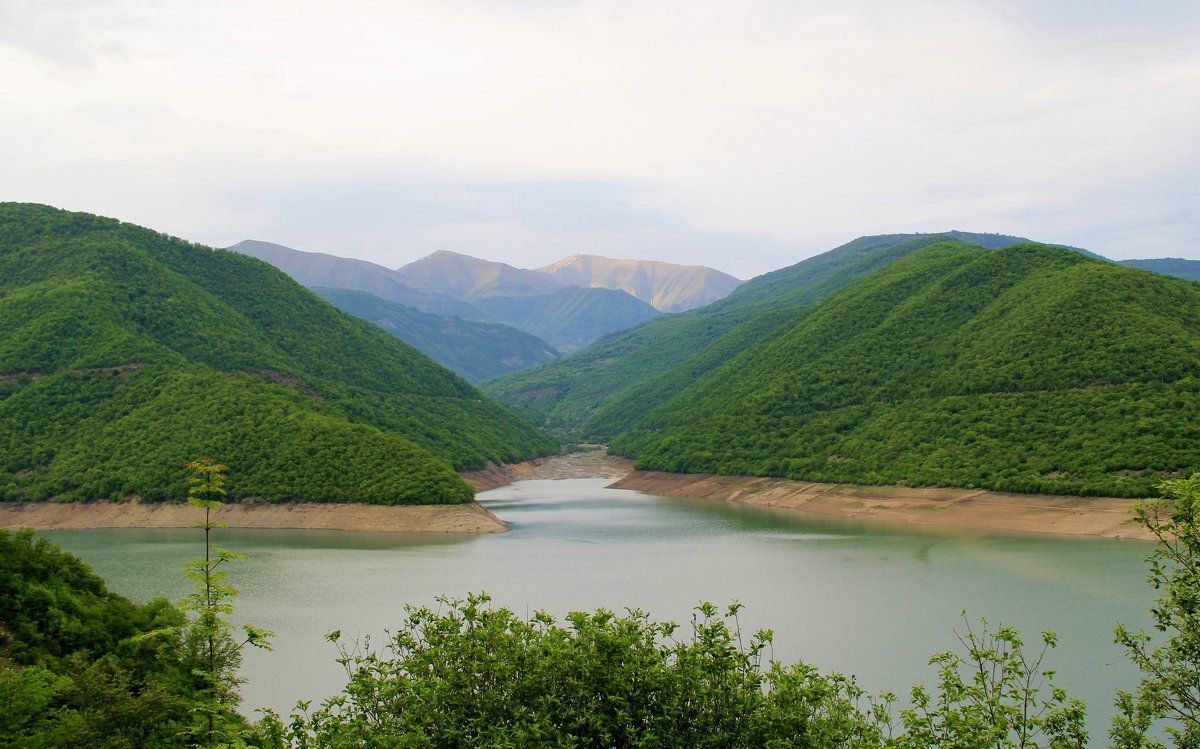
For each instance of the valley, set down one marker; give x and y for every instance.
(902, 425)
(599, 375)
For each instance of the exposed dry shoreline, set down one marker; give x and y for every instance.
(958, 508)
(467, 518)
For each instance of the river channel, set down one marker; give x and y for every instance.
(868, 600)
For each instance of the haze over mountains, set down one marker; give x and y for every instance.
(568, 305)
(666, 286)
(1168, 266)
(313, 269)
(476, 350)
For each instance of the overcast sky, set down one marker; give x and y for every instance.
(741, 135)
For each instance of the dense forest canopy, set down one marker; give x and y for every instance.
(600, 391)
(126, 353)
(1029, 368)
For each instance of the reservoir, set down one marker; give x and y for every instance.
(868, 600)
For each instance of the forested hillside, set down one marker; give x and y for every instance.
(1031, 368)
(475, 350)
(604, 388)
(76, 665)
(126, 353)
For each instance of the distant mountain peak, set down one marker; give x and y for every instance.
(470, 278)
(669, 287)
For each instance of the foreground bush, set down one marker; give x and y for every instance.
(473, 675)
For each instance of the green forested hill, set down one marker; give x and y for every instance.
(1029, 369)
(126, 353)
(79, 665)
(602, 389)
(475, 350)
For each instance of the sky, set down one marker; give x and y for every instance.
(742, 135)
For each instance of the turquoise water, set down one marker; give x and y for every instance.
(862, 599)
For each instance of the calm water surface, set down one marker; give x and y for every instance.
(849, 597)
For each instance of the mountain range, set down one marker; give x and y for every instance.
(566, 317)
(1168, 266)
(568, 304)
(665, 286)
(127, 353)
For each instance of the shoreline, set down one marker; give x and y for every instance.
(978, 509)
(464, 518)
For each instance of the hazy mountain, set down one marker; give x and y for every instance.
(470, 278)
(1168, 266)
(127, 354)
(1029, 368)
(313, 269)
(567, 316)
(475, 350)
(665, 286)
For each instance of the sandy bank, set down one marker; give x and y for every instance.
(962, 508)
(593, 464)
(468, 518)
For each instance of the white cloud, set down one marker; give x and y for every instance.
(780, 124)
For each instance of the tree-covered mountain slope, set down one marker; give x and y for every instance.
(476, 350)
(125, 353)
(568, 317)
(1029, 368)
(603, 388)
(1168, 266)
(668, 287)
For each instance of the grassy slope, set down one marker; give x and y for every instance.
(128, 353)
(1027, 369)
